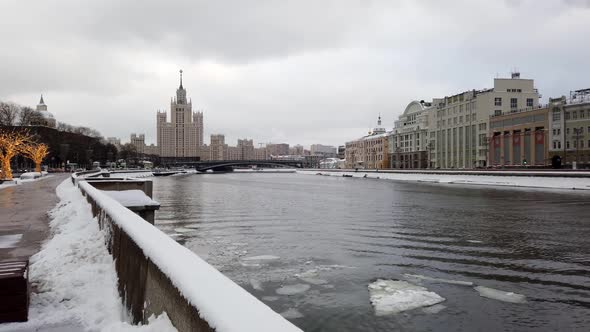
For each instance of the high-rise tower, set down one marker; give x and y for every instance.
(182, 137)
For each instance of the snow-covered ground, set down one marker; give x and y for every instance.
(24, 178)
(481, 180)
(73, 276)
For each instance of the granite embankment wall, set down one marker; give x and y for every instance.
(156, 274)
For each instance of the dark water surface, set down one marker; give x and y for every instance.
(331, 237)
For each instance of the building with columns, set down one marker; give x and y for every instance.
(459, 124)
(181, 138)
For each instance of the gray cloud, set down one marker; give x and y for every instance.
(298, 71)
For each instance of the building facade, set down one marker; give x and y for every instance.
(409, 146)
(369, 152)
(459, 124)
(245, 149)
(217, 147)
(569, 129)
(280, 149)
(325, 151)
(138, 141)
(519, 138)
(182, 136)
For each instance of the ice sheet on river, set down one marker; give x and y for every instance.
(293, 289)
(500, 295)
(261, 258)
(393, 296)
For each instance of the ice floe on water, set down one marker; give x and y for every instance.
(262, 258)
(393, 296)
(270, 298)
(474, 241)
(256, 284)
(500, 295)
(183, 230)
(293, 289)
(445, 281)
(435, 309)
(291, 313)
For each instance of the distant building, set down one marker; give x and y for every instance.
(569, 128)
(45, 117)
(245, 149)
(369, 152)
(281, 149)
(325, 151)
(297, 150)
(519, 138)
(408, 142)
(217, 147)
(115, 141)
(182, 137)
(261, 153)
(138, 141)
(341, 151)
(459, 124)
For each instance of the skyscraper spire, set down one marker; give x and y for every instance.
(181, 79)
(379, 120)
(41, 102)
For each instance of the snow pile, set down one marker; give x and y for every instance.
(9, 241)
(74, 276)
(393, 296)
(31, 175)
(526, 181)
(131, 197)
(221, 302)
(500, 295)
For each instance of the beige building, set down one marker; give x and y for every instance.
(459, 124)
(217, 147)
(409, 146)
(138, 141)
(182, 136)
(519, 138)
(245, 149)
(261, 153)
(281, 149)
(325, 151)
(297, 150)
(369, 152)
(569, 129)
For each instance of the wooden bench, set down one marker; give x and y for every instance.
(14, 291)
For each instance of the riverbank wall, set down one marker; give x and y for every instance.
(156, 274)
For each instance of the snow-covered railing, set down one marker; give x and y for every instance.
(156, 274)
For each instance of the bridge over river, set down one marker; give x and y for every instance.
(228, 165)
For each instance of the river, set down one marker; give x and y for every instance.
(309, 246)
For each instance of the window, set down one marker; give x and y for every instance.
(559, 145)
(518, 90)
(513, 103)
(498, 101)
(555, 145)
(567, 144)
(529, 102)
(582, 114)
(567, 131)
(567, 115)
(461, 119)
(497, 112)
(581, 144)
(556, 114)
(575, 115)
(558, 131)
(554, 132)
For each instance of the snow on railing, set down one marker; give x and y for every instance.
(223, 304)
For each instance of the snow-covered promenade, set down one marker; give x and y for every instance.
(565, 180)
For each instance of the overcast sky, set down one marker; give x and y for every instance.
(301, 72)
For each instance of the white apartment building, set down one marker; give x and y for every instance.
(459, 124)
(569, 128)
(408, 142)
(182, 136)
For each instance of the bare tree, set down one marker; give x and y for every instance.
(28, 116)
(8, 113)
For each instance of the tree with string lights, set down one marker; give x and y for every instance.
(12, 142)
(36, 152)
